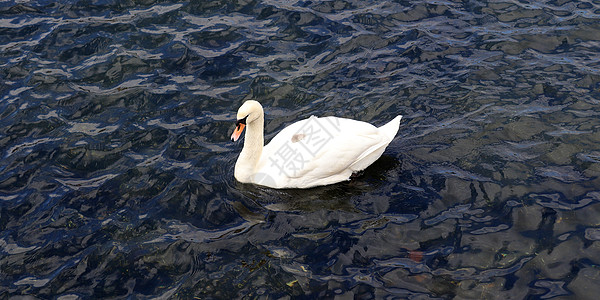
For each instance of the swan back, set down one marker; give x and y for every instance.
(319, 151)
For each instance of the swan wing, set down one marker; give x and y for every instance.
(318, 151)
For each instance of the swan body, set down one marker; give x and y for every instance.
(311, 152)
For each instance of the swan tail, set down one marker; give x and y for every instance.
(368, 157)
(391, 128)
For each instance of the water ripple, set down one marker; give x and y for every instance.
(86, 183)
(27, 145)
(562, 173)
(557, 201)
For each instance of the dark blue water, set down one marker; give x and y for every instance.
(116, 177)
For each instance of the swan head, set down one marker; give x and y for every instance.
(249, 112)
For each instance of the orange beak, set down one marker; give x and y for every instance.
(237, 132)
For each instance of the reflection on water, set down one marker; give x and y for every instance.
(116, 178)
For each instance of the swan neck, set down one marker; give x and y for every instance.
(247, 162)
(254, 139)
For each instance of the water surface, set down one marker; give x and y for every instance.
(116, 178)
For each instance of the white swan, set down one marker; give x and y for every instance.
(308, 153)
